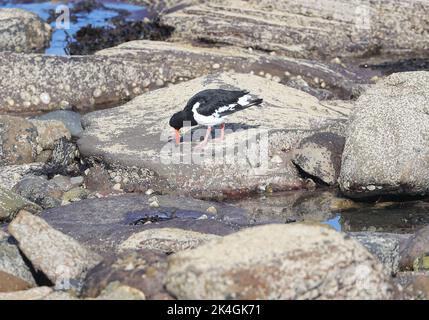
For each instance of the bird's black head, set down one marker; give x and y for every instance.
(177, 120)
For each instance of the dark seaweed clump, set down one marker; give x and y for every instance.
(90, 39)
(404, 65)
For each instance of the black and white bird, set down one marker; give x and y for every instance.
(211, 108)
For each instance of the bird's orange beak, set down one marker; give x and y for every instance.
(177, 136)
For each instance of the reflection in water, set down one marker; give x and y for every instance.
(329, 207)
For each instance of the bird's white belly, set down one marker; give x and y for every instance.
(208, 120)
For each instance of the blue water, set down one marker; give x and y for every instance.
(334, 222)
(97, 18)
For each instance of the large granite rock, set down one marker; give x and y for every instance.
(116, 75)
(306, 28)
(23, 31)
(103, 224)
(387, 146)
(278, 262)
(62, 259)
(134, 139)
(175, 62)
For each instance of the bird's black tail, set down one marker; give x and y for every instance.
(238, 107)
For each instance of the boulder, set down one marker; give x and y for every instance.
(10, 175)
(62, 259)
(113, 76)
(141, 270)
(135, 141)
(11, 203)
(387, 148)
(45, 193)
(167, 240)
(175, 62)
(17, 141)
(23, 31)
(320, 156)
(279, 262)
(305, 29)
(70, 119)
(103, 224)
(50, 131)
(11, 261)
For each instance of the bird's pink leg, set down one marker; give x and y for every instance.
(206, 138)
(222, 133)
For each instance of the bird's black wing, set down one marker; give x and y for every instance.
(212, 100)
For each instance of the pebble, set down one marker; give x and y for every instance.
(149, 192)
(76, 181)
(212, 210)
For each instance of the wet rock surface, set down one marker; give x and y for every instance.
(386, 148)
(103, 224)
(23, 31)
(305, 29)
(152, 158)
(278, 262)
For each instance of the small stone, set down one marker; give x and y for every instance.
(77, 181)
(116, 291)
(216, 66)
(149, 192)
(154, 204)
(212, 210)
(117, 187)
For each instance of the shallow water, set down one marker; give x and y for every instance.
(100, 17)
(329, 207)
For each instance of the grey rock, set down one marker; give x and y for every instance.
(62, 182)
(70, 119)
(103, 224)
(40, 190)
(305, 29)
(142, 270)
(184, 61)
(23, 31)
(11, 203)
(135, 145)
(385, 246)
(387, 148)
(12, 262)
(167, 240)
(76, 181)
(112, 76)
(279, 262)
(50, 131)
(62, 259)
(320, 156)
(12, 174)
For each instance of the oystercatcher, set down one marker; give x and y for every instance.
(210, 108)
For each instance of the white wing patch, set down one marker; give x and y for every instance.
(212, 120)
(244, 100)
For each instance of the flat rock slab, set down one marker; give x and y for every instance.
(115, 75)
(23, 31)
(173, 62)
(103, 224)
(306, 29)
(136, 138)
